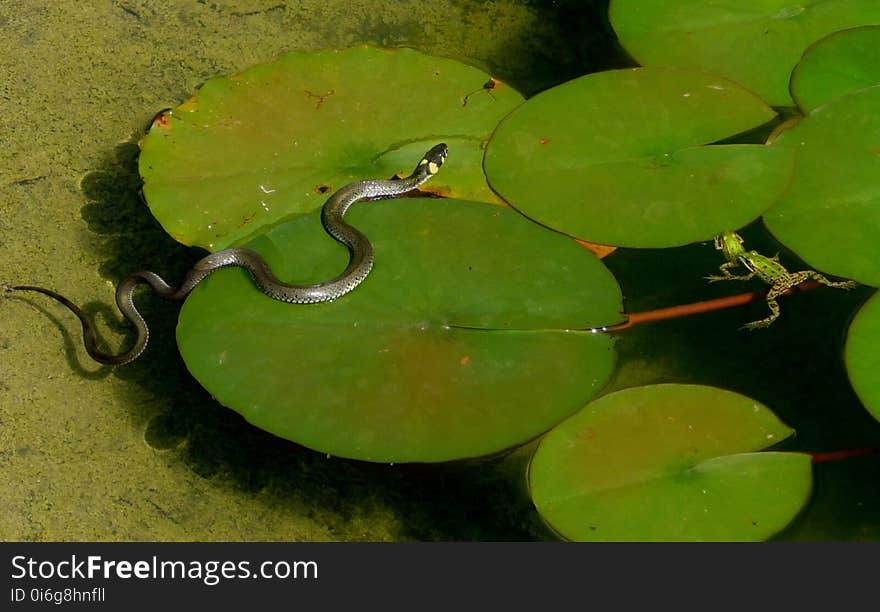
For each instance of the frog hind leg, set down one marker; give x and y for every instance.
(790, 281)
(765, 322)
(836, 284)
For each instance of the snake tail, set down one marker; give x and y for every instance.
(124, 293)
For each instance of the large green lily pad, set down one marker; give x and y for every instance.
(669, 462)
(862, 355)
(753, 42)
(830, 215)
(460, 343)
(839, 64)
(616, 158)
(275, 141)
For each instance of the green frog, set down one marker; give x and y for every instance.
(768, 269)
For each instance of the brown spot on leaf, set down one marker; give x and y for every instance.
(247, 219)
(322, 188)
(161, 119)
(599, 250)
(320, 97)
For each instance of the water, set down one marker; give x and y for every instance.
(142, 452)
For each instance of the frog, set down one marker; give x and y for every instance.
(767, 269)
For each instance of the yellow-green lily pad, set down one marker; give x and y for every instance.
(753, 42)
(830, 215)
(839, 64)
(462, 342)
(618, 158)
(273, 142)
(669, 462)
(862, 355)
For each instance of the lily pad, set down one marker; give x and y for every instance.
(839, 64)
(616, 158)
(461, 342)
(862, 355)
(274, 141)
(669, 462)
(753, 42)
(830, 215)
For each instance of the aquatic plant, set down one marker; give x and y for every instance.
(480, 330)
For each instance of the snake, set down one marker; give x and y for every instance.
(359, 266)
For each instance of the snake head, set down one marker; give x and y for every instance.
(434, 158)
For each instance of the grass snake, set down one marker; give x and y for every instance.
(359, 266)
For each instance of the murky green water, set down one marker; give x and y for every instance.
(142, 452)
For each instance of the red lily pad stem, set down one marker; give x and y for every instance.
(684, 310)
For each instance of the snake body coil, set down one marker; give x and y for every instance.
(359, 266)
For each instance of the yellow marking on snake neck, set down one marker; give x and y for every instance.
(433, 168)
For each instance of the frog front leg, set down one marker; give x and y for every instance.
(726, 275)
